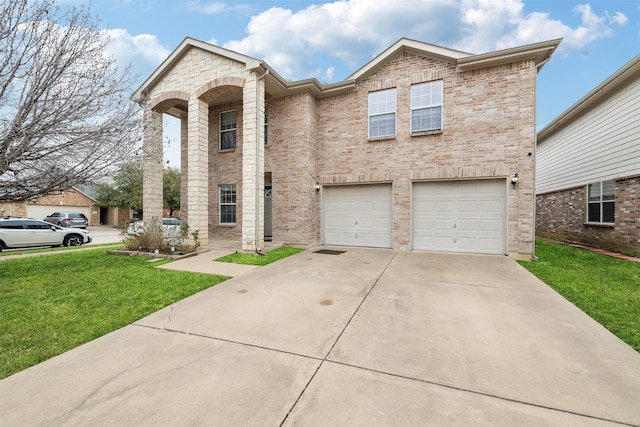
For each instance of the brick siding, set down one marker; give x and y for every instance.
(69, 198)
(488, 132)
(563, 214)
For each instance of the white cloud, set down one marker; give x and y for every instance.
(618, 18)
(537, 26)
(350, 30)
(210, 8)
(353, 31)
(328, 74)
(143, 50)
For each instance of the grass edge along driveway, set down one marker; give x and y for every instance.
(51, 304)
(605, 288)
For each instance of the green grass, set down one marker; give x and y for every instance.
(252, 259)
(605, 288)
(51, 304)
(25, 251)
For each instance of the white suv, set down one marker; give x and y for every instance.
(18, 232)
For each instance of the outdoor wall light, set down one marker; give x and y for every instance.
(515, 179)
(317, 187)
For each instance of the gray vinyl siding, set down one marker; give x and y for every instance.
(602, 144)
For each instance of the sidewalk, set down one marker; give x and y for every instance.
(206, 263)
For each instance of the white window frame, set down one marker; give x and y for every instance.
(382, 105)
(233, 130)
(426, 97)
(227, 200)
(600, 199)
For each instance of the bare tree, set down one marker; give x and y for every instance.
(65, 112)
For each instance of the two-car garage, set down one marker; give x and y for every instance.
(450, 216)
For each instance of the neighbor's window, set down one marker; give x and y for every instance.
(227, 204)
(426, 106)
(601, 202)
(382, 113)
(228, 130)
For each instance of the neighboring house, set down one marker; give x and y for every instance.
(115, 216)
(415, 150)
(588, 167)
(72, 200)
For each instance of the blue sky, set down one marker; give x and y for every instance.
(328, 41)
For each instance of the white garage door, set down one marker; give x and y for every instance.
(358, 215)
(460, 216)
(41, 211)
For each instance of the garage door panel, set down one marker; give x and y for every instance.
(459, 216)
(489, 225)
(362, 218)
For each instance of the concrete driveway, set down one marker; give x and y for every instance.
(367, 337)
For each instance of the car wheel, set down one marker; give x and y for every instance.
(73, 240)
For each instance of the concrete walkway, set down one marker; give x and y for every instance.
(206, 263)
(368, 337)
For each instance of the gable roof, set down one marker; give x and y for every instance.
(411, 46)
(277, 85)
(539, 52)
(602, 92)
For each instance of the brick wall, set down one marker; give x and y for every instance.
(291, 157)
(225, 167)
(13, 208)
(116, 216)
(488, 131)
(68, 198)
(563, 214)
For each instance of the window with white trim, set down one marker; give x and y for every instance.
(601, 202)
(228, 130)
(227, 204)
(382, 113)
(426, 106)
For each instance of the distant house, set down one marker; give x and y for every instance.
(588, 166)
(415, 150)
(71, 200)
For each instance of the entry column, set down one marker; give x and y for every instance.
(152, 164)
(198, 168)
(253, 164)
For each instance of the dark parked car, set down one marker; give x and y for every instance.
(68, 219)
(26, 232)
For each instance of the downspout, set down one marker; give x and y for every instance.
(258, 195)
(535, 159)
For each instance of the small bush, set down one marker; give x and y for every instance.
(153, 240)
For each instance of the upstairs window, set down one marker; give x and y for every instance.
(382, 113)
(426, 107)
(601, 202)
(228, 130)
(227, 204)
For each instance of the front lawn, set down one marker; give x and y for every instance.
(606, 288)
(269, 257)
(51, 304)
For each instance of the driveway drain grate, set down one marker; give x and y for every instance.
(329, 252)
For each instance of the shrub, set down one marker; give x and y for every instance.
(152, 239)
